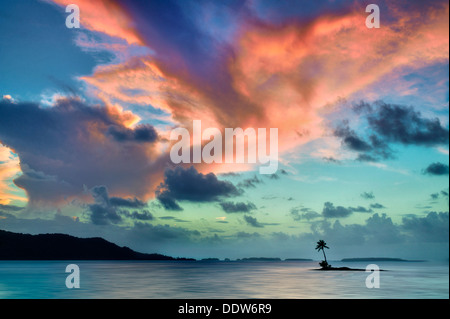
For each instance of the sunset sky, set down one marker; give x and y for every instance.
(362, 117)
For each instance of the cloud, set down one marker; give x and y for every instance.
(10, 208)
(389, 124)
(368, 151)
(437, 195)
(107, 210)
(245, 235)
(102, 212)
(103, 215)
(178, 220)
(437, 169)
(303, 214)
(239, 207)
(331, 159)
(378, 229)
(168, 202)
(431, 228)
(368, 195)
(377, 206)
(107, 17)
(69, 145)
(242, 69)
(126, 202)
(144, 215)
(331, 211)
(189, 185)
(252, 221)
(9, 168)
(404, 125)
(250, 182)
(141, 133)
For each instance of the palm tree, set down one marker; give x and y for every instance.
(320, 246)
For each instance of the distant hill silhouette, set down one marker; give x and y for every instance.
(16, 246)
(371, 259)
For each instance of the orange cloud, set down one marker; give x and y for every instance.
(277, 76)
(9, 168)
(105, 16)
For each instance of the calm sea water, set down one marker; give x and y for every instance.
(206, 280)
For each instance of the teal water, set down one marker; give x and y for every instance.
(203, 280)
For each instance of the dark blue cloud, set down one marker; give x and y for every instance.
(436, 169)
(389, 124)
(108, 210)
(189, 185)
(252, 221)
(141, 133)
(331, 211)
(239, 207)
(126, 202)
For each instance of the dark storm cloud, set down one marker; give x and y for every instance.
(402, 124)
(239, 207)
(189, 185)
(105, 210)
(437, 168)
(350, 138)
(144, 215)
(142, 133)
(126, 202)
(390, 124)
(331, 211)
(103, 215)
(63, 147)
(168, 202)
(10, 208)
(377, 206)
(252, 221)
(368, 151)
(102, 212)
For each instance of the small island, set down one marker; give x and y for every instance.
(373, 259)
(325, 266)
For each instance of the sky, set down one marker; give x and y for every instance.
(86, 116)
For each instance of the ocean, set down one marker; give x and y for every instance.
(221, 280)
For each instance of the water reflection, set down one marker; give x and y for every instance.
(287, 280)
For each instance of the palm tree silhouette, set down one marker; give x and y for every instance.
(321, 244)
